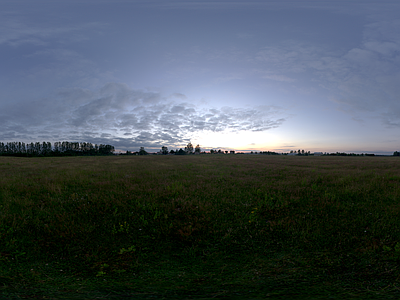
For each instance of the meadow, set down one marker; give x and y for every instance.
(199, 227)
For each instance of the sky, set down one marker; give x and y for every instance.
(233, 75)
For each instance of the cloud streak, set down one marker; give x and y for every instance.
(130, 118)
(16, 31)
(359, 79)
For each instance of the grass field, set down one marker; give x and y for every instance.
(200, 226)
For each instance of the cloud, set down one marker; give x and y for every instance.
(15, 30)
(126, 117)
(361, 79)
(292, 56)
(352, 8)
(59, 54)
(279, 78)
(228, 78)
(373, 71)
(179, 96)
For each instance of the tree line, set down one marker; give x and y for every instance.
(83, 148)
(59, 149)
(189, 149)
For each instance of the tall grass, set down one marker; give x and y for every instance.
(239, 220)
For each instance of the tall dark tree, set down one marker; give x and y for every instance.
(142, 151)
(189, 148)
(180, 152)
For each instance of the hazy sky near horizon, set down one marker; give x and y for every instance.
(244, 75)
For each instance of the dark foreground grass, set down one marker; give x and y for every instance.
(199, 227)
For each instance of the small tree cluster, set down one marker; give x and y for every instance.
(270, 153)
(348, 154)
(301, 152)
(219, 151)
(188, 150)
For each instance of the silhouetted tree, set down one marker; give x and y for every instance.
(180, 152)
(142, 151)
(197, 149)
(189, 148)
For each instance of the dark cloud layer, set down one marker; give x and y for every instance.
(126, 118)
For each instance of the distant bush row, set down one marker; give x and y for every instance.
(59, 149)
(189, 149)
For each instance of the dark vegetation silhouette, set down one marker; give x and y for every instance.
(59, 149)
(65, 148)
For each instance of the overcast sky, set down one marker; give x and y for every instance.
(244, 75)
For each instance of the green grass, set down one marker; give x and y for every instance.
(204, 226)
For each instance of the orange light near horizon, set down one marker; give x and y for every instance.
(244, 140)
